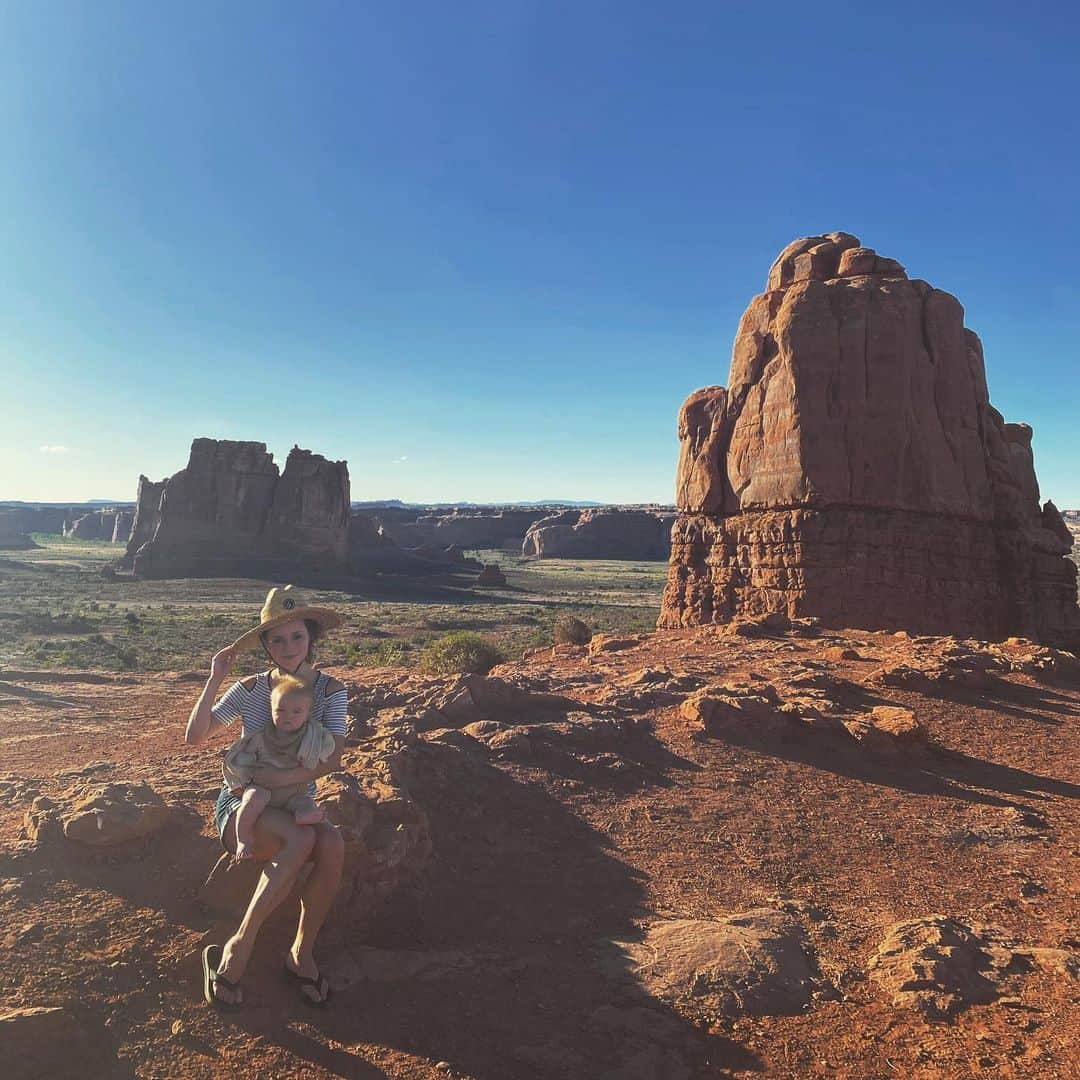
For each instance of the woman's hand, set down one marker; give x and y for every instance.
(222, 662)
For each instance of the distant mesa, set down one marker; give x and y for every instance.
(19, 521)
(609, 533)
(113, 526)
(462, 527)
(854, 470)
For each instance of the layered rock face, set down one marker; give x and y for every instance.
(494, 529)
(600, 534)
(229, 511)
(13, 535)
(854, 469)
(96, 525)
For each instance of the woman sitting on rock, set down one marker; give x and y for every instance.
(288, 629)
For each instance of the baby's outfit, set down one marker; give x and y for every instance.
(306, 747)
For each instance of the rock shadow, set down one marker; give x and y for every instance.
(926, 771)
(1012, 699)
(160, 872)
(495, 961)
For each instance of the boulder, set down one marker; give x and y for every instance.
(738, 711)
(97, 815)
(754, 963)
(45, 1043)
(938, 965)
(854, 470)
(491, 576)
(605, 643)
(887, 729)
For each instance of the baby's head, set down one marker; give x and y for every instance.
(290, 703)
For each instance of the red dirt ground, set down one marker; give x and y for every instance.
(539, 859)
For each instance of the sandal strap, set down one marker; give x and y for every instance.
(217, 977)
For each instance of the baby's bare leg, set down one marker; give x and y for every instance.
(253, 802)
(305, 810)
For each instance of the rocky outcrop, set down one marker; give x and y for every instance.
(854, 469)
(477, 529)
(98, 815)
(40, 519)
(939, 965)
(491, 576)
(755, 962)
(230, 512)
(13, 537)
(600, 534)
(96, 525)
(147, 517)
(122, 527)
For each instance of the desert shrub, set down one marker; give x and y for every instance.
(461, 652)
(127, 658)
(59, 624)
(387, 654)
(570, 630)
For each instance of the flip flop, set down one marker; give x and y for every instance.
(303, 980)
(211, 958)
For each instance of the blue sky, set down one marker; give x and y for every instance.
(485, 250)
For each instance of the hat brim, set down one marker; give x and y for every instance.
(325, 617)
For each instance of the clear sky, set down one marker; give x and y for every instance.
(484, 250)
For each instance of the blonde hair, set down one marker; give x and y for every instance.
(290, 686)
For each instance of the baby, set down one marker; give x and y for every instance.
(293, 739)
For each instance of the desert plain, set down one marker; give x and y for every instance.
(759, 848)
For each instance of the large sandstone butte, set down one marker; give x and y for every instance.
(230, 511)
(853, 469)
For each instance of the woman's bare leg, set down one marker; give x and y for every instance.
(288, 846)
(253, 802)
(315, 900)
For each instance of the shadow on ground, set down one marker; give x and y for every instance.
(515, 906)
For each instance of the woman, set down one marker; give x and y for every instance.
(288, 628)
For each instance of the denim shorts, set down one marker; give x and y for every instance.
(224, 809)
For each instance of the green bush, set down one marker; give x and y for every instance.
(570, 630)
(461, 652)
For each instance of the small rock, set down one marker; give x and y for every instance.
(838, 652)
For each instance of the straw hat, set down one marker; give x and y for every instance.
(282, 606)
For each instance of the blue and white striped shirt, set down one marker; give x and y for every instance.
(252, 708)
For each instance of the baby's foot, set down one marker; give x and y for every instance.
(243, 851)
(309, 816)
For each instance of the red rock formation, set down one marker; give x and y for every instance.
(466, 528)
(855, 470)
(310, 512)
(604, 533)
(229, 512)
(147, 516)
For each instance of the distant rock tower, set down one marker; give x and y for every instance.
(855, 470)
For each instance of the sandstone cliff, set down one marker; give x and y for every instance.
(600, 534)
(230, 512)
(855, 470)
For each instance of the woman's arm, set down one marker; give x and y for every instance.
(269, 776)
(202, 722)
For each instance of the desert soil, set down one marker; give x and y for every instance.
(541, 859)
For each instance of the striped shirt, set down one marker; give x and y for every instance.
(252, 708)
